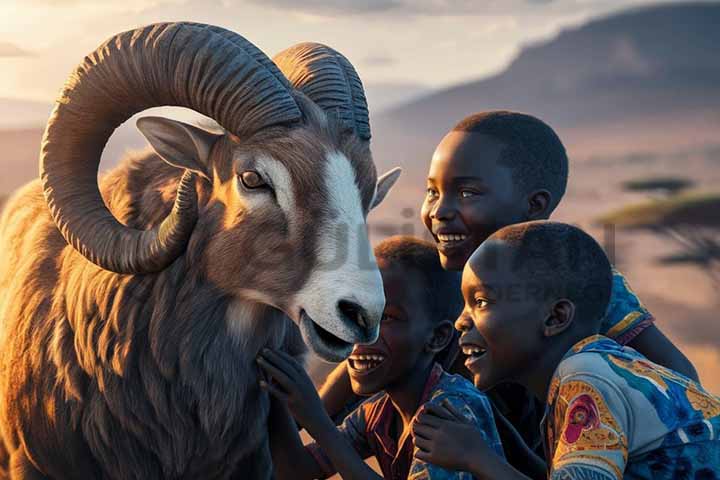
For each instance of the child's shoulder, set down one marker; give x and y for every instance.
(626, 315)
(590, 365)
(643, 387)
(455, 384)
(460, 393)
(470, 402)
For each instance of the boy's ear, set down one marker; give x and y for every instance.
(179, 144)
(539, 205)
(441, 336)
(562, 315)
(384, 184)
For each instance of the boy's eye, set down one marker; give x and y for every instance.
(387, 318)
(481, 302)
(431, 193)
(467, 193)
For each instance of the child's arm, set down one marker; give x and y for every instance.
(448, 440)
(652, 343)
(629, 323)
(290, 458)
(294, 388)
(336, 393)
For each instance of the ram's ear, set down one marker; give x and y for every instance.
(179, 144)
(384, 184)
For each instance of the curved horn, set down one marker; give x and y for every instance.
(208, 69)
(329, 80)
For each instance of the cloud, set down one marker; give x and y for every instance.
(378, 60)
(8, 49)
(333, 7)
(404, 7)
(134, 6)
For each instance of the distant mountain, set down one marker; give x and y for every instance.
(650, 61)
(385, 96)
(644, 60)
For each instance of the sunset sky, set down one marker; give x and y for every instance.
(403, 48)
(414, 44)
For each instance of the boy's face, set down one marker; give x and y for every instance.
(470, 195)
(501, 323)
(404, 333)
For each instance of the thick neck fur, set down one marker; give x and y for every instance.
(171, 363)
(163, 364)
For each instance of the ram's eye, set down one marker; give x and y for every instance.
(252, 179)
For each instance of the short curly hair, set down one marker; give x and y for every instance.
(443, 296)
(532, 150)
(565, 262)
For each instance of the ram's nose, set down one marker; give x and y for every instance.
(368, 322)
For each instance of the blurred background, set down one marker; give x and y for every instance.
(631, 86)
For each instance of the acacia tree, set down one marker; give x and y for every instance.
(690, 220)
(665, 186)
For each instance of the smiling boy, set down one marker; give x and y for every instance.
(499, 168)
(399, 370)
(535, 297)
(495, 169)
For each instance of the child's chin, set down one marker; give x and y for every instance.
(454, 262)
(481, 382)
(364, 389)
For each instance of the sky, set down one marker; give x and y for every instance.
(408, 44)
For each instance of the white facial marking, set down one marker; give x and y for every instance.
(275, 173)
(346, 267)
(279, 176)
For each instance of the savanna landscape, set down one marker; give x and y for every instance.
(632, 87)
(635, 96)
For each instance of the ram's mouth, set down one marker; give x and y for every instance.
(325, 344)
(363, 364)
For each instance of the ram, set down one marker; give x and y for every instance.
(132, 311)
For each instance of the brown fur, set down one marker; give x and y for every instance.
(138, 376)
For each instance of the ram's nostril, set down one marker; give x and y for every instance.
(353, 312)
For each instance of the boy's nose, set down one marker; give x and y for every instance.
(463, 323)
(443, 211)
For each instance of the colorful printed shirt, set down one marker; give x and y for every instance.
(613, 414)
(626, 316)
(369, 427)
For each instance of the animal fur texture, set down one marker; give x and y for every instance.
(148, 376)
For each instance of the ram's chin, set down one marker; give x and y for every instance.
(325, 345)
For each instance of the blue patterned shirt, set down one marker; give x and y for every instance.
(614, 414)
(368, 429)
(626, 316)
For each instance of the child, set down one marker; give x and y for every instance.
(498, 168)
(535, 297)
(495, 169)
(399, 370)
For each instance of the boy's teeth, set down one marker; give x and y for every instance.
(452, 237)
(473, 350)
(365, 362)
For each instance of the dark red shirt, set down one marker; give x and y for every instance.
(369, 429)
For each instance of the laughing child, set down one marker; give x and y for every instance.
(499, 168)
(399, 371)
(495, 169)
(535, 298)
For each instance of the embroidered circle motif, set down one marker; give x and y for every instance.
(582, 415)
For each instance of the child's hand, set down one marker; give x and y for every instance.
(288, 382)
(445, 438)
